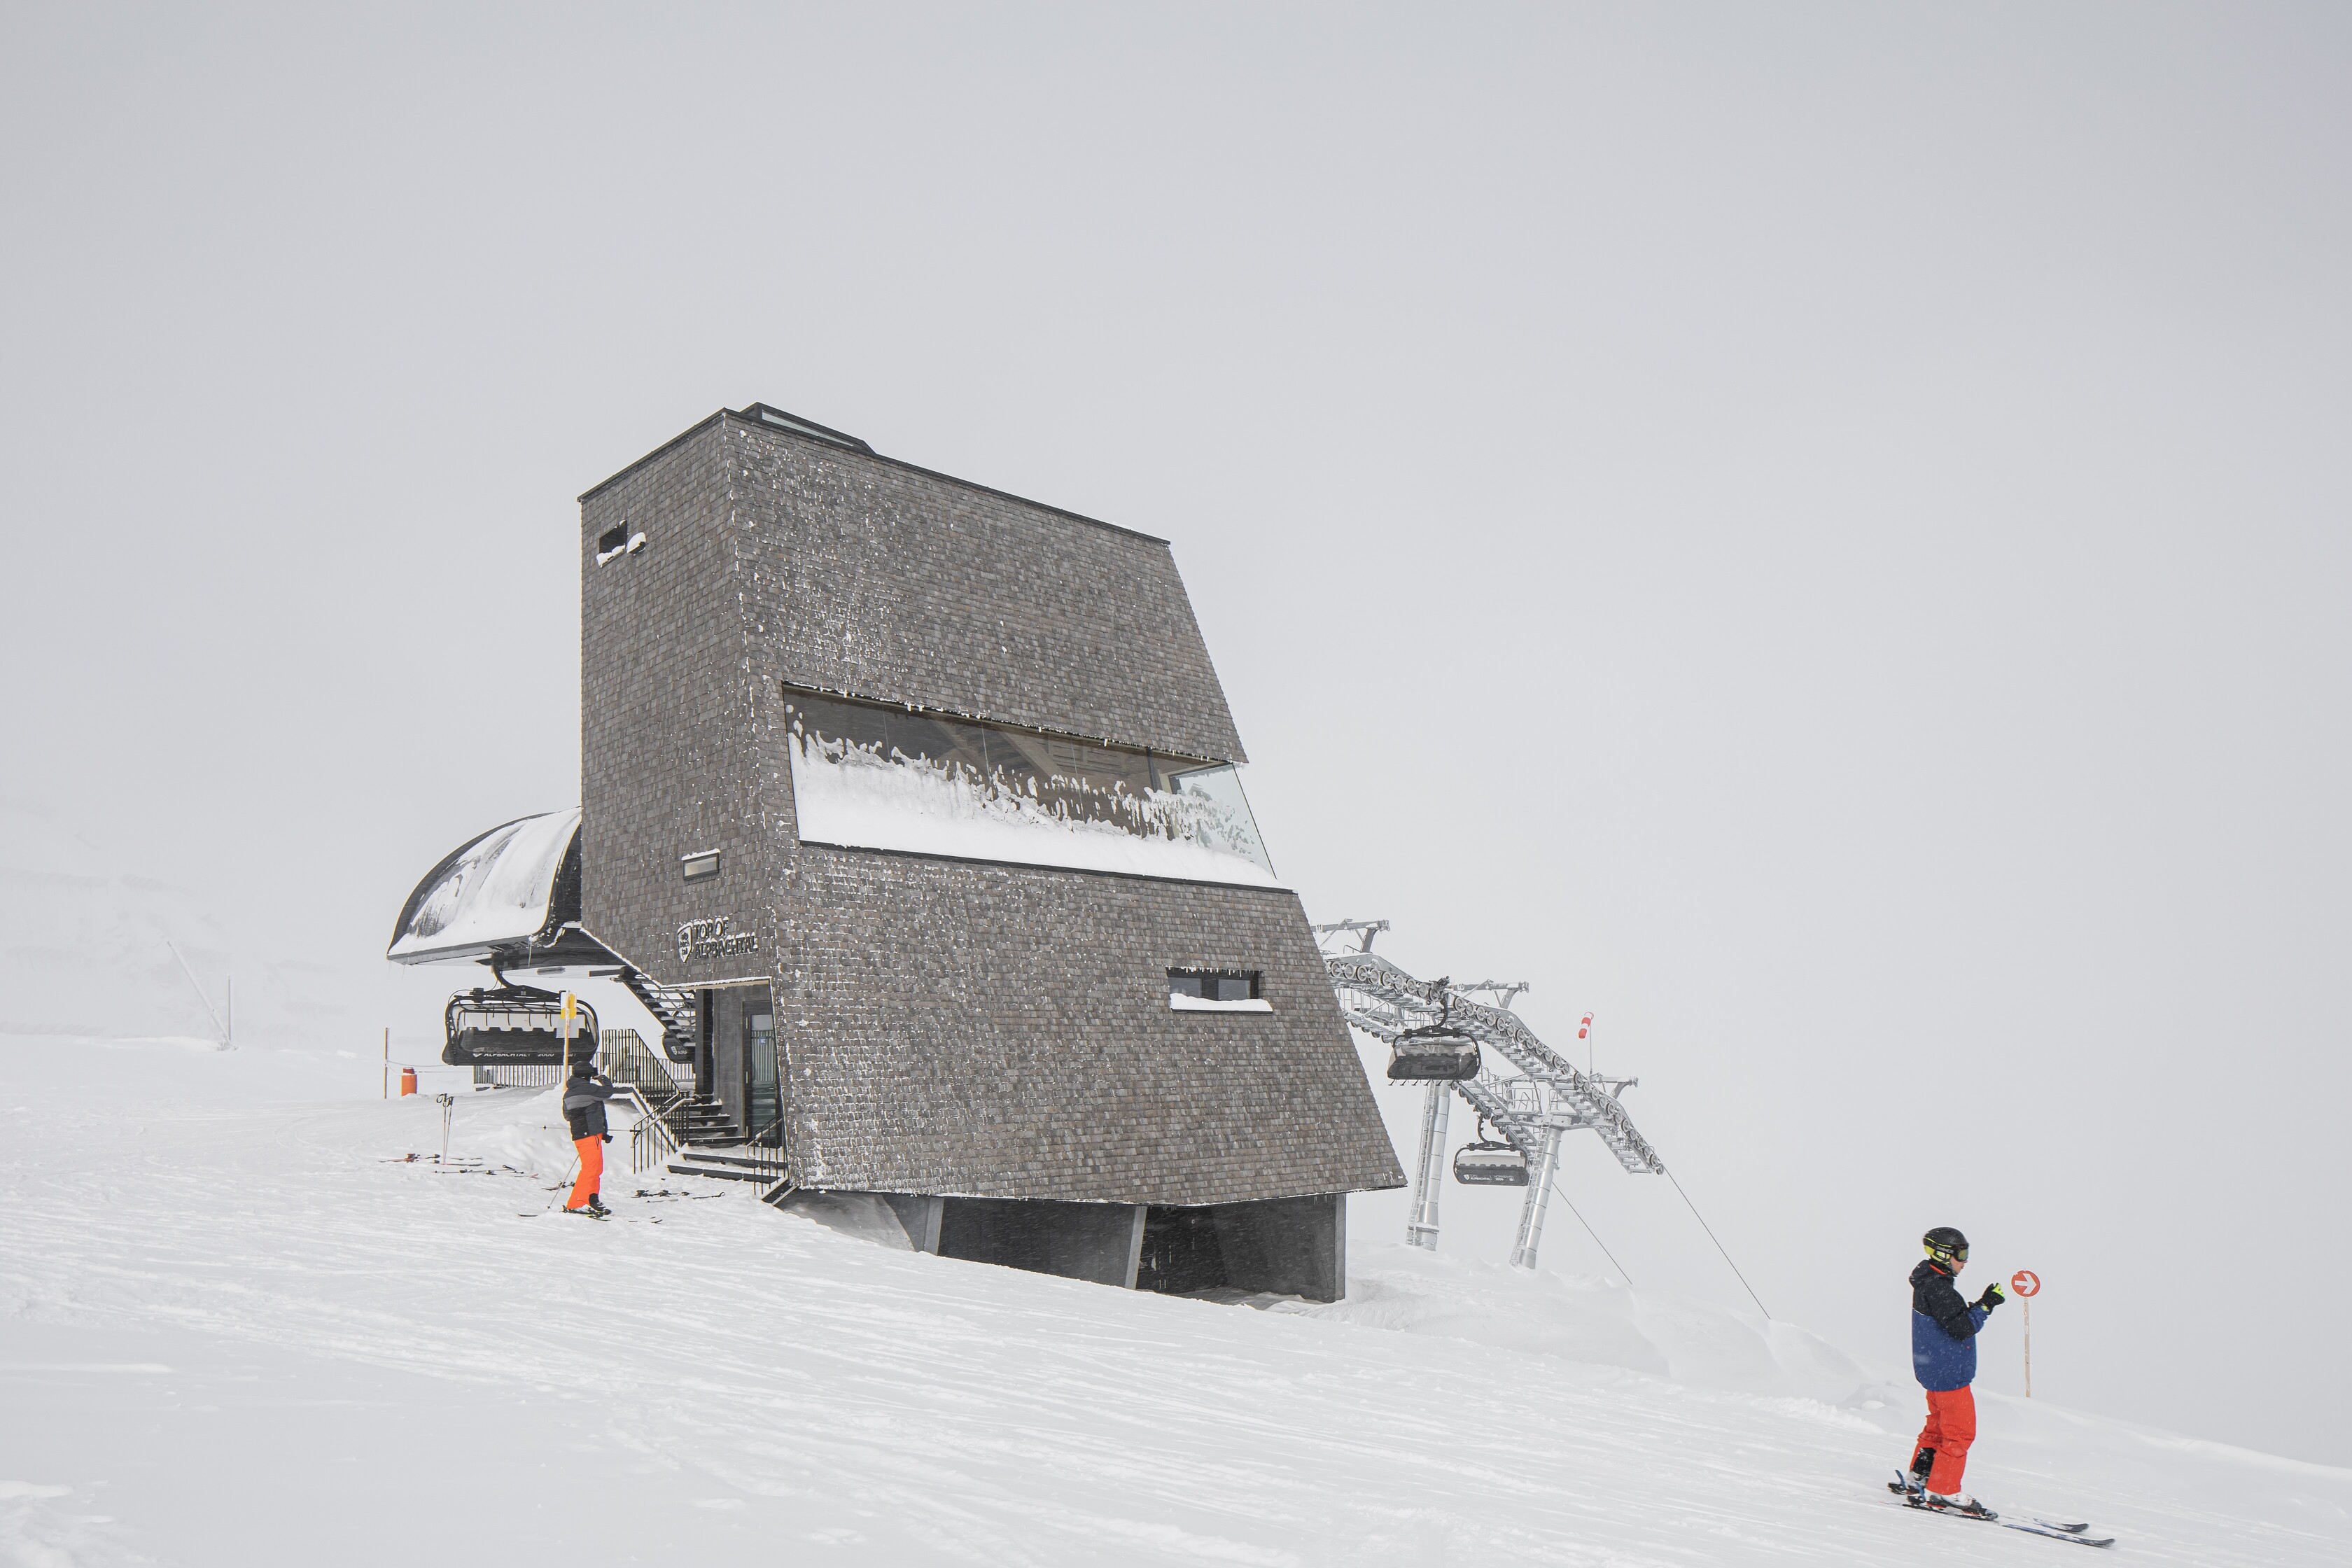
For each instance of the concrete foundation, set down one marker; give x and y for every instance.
(1289, 1246)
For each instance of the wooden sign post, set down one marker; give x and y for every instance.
(2027, 1284)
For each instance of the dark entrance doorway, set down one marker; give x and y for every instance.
(1291, 1247)
(739, 1066)
(764, 1112)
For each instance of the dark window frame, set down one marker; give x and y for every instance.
(1210, 984)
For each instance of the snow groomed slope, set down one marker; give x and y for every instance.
(235, 1328)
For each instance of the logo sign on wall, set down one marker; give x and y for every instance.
(715, 938)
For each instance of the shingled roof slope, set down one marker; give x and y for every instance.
(882, 579)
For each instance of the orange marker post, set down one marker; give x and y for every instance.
(2027, 1284)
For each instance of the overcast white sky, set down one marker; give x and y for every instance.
(1816, 533)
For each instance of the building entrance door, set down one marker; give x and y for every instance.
(705, 1080)
(762, 1094)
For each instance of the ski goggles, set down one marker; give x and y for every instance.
(1947, 1254)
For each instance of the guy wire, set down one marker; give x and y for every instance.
(1590, 1232)
(1719, 1247)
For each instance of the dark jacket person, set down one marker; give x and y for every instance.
(584, 1094)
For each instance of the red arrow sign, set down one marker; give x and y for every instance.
(2025, 1282)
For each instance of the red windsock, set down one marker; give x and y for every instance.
(1584, 1030)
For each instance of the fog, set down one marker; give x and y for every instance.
(1817, 534)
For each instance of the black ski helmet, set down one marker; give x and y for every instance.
(1945, 1245)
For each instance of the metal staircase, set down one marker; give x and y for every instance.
(703, 1123)
(719, 1150)
(673, 1010)
(1541, 1097)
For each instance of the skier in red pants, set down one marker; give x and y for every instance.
(1944, 1329)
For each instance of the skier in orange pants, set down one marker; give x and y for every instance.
(584, 1107)
(584, 1192)
(1944, 1327)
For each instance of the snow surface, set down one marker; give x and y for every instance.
(1180, 1002)
(498, 891)
(235, 1328)
(850, 794)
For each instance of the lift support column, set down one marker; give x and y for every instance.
(1429, 1175)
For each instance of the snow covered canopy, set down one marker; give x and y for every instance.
(510, 887)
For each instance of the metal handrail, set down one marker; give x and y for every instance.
(764, 1150)
(657, 1136)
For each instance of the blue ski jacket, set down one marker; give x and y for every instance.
(1943, 1330)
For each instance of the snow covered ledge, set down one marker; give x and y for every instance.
(1180, 1002)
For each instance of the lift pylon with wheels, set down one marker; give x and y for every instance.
(1530, 1093)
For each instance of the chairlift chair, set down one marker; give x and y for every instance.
(1434, 1053)
(514, 1025)
(1490, 1163)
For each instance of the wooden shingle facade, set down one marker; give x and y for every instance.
(943, 1026)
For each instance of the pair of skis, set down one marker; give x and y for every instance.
(2080, 1534)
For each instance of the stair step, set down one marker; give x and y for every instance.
(735, 1160)
(722, 1172)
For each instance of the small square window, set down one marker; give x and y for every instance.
(617, 540)
(701, 866)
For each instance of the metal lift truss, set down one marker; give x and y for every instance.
(1540, 1099)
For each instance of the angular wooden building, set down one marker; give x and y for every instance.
(927, 795)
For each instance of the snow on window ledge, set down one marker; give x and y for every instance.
(1182, 1004)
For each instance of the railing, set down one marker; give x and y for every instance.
(623, 1055)
(763, 1153)
(660, 1132)
(513, 1076)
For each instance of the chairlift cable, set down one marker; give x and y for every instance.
(1719, 1247)
(1595, 1235)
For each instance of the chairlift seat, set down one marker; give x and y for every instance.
(1490, 1164)
(1433, 1055)
(514, 1027)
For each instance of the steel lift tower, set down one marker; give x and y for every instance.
(1528, 1092)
